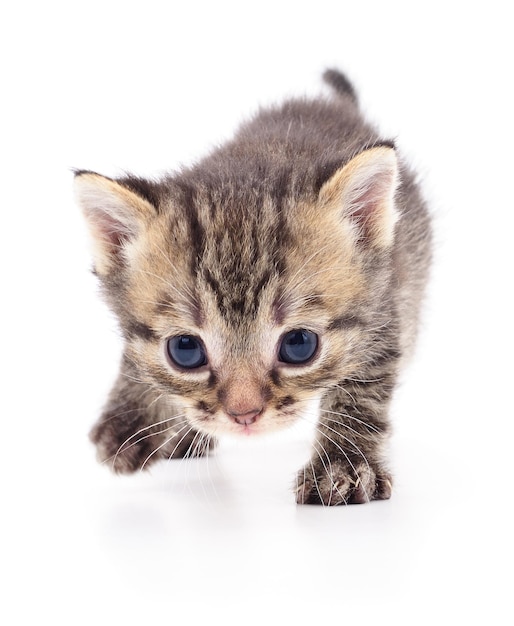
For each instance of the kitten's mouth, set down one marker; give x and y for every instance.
(247, 431)
(247, 424)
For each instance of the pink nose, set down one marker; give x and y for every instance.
(247, 418)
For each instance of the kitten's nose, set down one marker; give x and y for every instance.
(246, 418)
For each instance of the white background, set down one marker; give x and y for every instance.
(144, 87)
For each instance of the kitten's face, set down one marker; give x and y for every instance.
(242, 311)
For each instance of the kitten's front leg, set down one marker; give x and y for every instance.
(347, 462)
(139, 426)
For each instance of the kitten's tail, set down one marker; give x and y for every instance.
(338, 81)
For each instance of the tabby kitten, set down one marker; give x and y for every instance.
(282, 272)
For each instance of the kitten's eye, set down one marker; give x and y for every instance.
(186, 351)
(298, 346)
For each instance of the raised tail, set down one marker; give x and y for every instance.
(338, 81)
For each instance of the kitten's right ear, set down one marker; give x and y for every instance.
(115, 215)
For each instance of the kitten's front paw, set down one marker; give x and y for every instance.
(129, 449)
(123, 450)
(338, 483)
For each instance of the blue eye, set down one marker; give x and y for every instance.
(186, 351)
(298, 346)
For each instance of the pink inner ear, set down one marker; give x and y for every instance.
(365, 206)
(368, 205)
(109, 229)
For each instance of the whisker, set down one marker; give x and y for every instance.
(137, 399)
(191, 453)
(134, 379)
(170, 456)
(352, 417)
(192, 446)
(330, 475)
(358, 477)
(141, 430)
(352, 443)
(363, 380)
(338, 446)
(298, 482)
(203, 442)
(316, 484)
(327, 471)
(346, 391)
(155, 400)
(345, 426)
(376, 328)
(112, 417)
(304, 479)
(166, 442)
(159, 432)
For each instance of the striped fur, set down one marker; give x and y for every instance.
(307, 219)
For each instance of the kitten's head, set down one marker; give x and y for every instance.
(244, 302)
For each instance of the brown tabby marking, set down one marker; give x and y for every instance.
(303, 233)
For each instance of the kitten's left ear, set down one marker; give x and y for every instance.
(363, 192)
(115, 216)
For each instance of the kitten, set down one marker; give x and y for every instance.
(283, 271)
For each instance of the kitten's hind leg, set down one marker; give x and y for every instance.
(139, 425)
